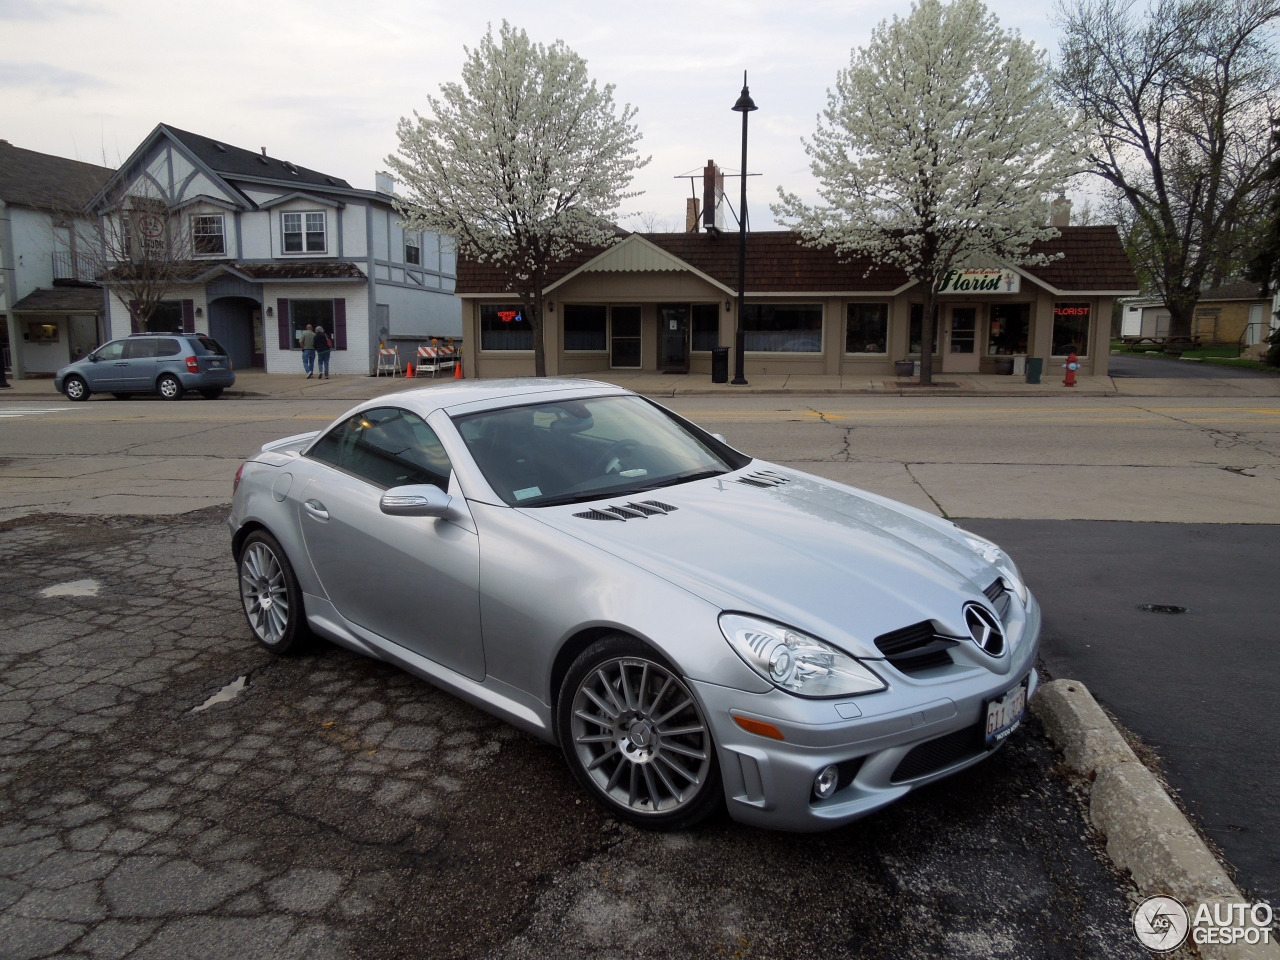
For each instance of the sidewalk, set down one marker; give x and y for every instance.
(257, 385)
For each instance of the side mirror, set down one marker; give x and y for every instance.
(416, 500)
(93, 358)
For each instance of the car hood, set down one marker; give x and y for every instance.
(840, 563)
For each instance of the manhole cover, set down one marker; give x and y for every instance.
(1162, 608)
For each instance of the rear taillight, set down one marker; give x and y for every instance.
(236, 485)
(193, 366)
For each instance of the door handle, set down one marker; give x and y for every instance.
(316, 509)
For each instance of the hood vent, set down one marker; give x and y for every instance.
(916, 648)
(763, 478)
(628, 511)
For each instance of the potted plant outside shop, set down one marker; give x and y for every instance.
(904, 368)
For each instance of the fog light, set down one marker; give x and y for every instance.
(825, 783)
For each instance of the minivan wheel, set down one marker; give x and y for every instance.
(270, 594)
(211, 394)
(75, 389)
(170, 387)
(636, 738)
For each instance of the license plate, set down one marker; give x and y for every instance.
(1004, 715)
(215, 364)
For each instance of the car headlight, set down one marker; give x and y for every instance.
(1001, 561)
(795, 662)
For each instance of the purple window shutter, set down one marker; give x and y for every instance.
(188, 316)
(282, 314)
(340, 324)
(134, 326)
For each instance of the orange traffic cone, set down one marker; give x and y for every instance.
(457, 369)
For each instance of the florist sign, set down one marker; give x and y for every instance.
(981, 280)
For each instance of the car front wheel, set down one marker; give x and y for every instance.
(75, 389)
(170, 388)
(636, 738)
(270, 594)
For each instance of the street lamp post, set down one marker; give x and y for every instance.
(744, 106)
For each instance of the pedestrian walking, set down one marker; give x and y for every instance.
(308, 341)
(323, 346)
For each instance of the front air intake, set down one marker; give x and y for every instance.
(916, 648)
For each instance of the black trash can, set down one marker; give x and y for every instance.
(1035, 367)
(719, 364)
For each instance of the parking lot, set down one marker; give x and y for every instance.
(327, 805)
(338, 807)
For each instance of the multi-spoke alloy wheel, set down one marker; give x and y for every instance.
(639, 738)
(270, 593)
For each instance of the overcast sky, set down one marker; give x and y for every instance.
(322, 83)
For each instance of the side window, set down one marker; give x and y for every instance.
(140, 349)
(168, 347)
(388, 447)
(111, 351)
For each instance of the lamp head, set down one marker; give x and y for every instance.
(745, 104)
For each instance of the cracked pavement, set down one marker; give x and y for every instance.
(337, 807)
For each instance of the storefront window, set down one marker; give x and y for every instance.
(783, 327)
(1071, 329)
(625, 348)
(1010, 324)
(917, 327)
(867, 328)
(504, 327)
(166, 318)
(706, 325)
(586, 326)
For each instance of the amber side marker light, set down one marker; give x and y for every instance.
(759, 728)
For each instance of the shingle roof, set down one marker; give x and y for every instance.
(263, 272)
(1241, 290)
(231, 161)
(1094, 259)
(61, 300)
(40, 180)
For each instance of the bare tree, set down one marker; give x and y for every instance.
(146, 246)
(1179, 100)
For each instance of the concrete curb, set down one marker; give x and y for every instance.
(1145, 831)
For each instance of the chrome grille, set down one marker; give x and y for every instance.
(916, 648)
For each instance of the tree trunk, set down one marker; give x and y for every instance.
(539, 336)
(1181, 312)
(926, 336)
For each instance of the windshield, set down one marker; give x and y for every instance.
(576, 450)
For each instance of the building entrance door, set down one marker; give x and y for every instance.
(231, 324)
(82, 336)
(961, 354)
(673, 337)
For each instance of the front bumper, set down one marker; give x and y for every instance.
(769, 783)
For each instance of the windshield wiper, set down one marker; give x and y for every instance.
(623, 492)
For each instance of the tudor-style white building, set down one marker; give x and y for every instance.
(275, 246)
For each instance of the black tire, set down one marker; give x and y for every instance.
(213, 393)
(170, 387)
(656, 794)
(258, 583)
(74, 388)
(123, 396)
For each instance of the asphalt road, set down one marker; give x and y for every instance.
(1138, 365)
(339, 808)
(1202, 687)
(1102, 458)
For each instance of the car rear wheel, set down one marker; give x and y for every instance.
(270, 594)
(636, 738)
(75, 389)
(211, 394)
(170, 387)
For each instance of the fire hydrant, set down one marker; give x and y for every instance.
(1071, 366)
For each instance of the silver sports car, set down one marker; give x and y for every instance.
(690, 625)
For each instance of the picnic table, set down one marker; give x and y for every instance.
(1185, 342)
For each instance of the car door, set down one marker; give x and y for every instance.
(412, 580)
(140, 365)
(106, 371)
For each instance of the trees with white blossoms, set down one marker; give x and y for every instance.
(940, 147)
(524, 163)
